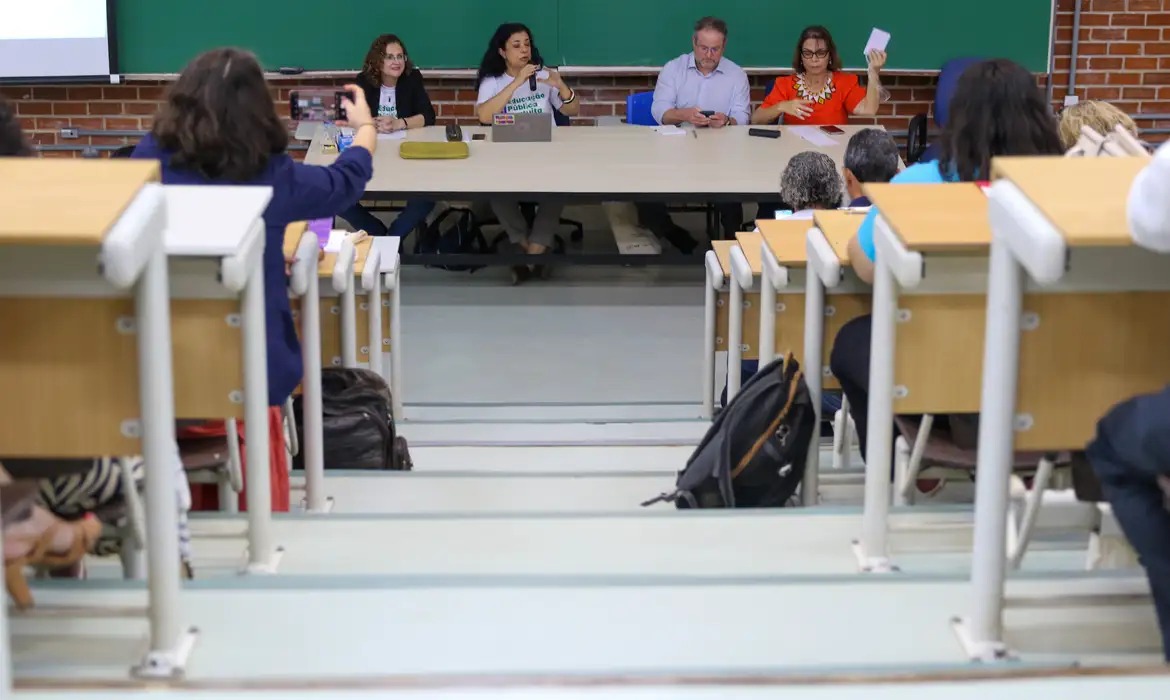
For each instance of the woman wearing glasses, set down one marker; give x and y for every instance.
(398, 100)
(818, 92)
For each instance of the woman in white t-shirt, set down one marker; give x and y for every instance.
(510, 61)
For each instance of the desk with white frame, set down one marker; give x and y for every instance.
(215, 247)
(388, 248)
(338, 340)
(818, 252)
(85, 315)
(930, 281)
(1068, 290)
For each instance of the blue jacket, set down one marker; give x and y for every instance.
(299, 192)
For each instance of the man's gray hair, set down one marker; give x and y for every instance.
(811, 181)
(872, 156)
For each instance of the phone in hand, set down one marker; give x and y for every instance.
(316, 105)
(708, 113)
(830, 129)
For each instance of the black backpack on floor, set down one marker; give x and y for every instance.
(753, 456)
(455, 232)
(358, 423)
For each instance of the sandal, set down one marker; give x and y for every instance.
(39, 555)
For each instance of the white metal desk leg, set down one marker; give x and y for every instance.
(872, 551)
(313, 444)
(257, 478)
(734, 338)
(348, 326)
(767, 315)
(168, 648)
(709, 344)
(396, 347)
(814, 331)
(5, 654)
(982, 633)
(374, 351)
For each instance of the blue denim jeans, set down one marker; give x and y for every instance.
(414, 213)
(1129, 453)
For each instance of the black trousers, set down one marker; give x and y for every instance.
(849, 361)
(654, 216)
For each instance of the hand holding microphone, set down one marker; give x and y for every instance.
(532, 78)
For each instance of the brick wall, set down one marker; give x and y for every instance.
(1124, 57)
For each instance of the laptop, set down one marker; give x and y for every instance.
(522, 128)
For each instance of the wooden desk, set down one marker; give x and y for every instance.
(927, 322)
(388, 255)
(1091, 331)
(86, 360)
(717, 263)
(742, 342)
(593, 164)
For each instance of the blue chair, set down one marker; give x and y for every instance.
(917, 146)
(638, 109)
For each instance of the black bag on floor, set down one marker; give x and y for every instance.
(358, 423)
(455, 232)
(753, 456)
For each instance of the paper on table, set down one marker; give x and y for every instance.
(878, 41)
(392, 136)
(670, 130)
(813, 135)
(336, 236)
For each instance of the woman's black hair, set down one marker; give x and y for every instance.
(493, 63)
(997, 110)
(12, 140)
(219, 119)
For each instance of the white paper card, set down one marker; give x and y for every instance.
(336, 236)
(670, 130)
(814, 136)
(878, 41)
(393, 136)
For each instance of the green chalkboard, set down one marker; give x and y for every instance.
(160, 36)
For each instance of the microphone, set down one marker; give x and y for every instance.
(532, 79)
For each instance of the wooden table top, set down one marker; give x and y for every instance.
(750, 243)
(723, 253)
(786, 239)
(839, 228)
(935, 218)
(72, 202)
(1084, 198)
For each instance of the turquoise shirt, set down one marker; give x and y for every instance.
(917, 174)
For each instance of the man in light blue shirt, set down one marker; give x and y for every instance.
(701, 80)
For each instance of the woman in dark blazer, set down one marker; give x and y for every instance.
(398, 100)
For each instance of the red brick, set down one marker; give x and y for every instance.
(70, 108)
(106, 108)
(52, 122)
(455, 109)
(1107, 63)
(1158, 19)
(123, 123)
(29, 107)
(1140, 63)
(1143, 34)
(81, 94)
(1103, 93)
(50, 93)
(1121, 78)
(595, 109)
(1146, 5)
(141, 107)
(1126, 48)
(442, 95)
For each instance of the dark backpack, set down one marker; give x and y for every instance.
(358, 422)
(455, 232)
(753, 456)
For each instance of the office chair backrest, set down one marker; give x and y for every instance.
(560, 119)
(948, 80)
(638, 109)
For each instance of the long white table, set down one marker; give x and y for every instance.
(594, 164)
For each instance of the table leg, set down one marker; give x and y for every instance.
(814, 332)
(258, 481)
(872, 550)
(159, 450)
(767, 315)
(734, 337)
(396, 346)
(709, 345)
(313, 444)
(348, 326)
(982, 633)
(374, 318)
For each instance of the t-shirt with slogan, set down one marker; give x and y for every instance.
(388, 102)
(524, 101)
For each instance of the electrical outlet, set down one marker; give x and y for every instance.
(1070, 100)
(69, 133)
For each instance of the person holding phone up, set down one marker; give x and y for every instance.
(818, 93)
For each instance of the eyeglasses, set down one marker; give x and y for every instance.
(394, 57)
(708, 50)
(821, 53)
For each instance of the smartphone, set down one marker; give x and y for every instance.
(766, 133)
(708, 113)
(830, 129)
(478, 137)
(316, 105)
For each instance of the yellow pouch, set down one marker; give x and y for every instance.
(433, 150)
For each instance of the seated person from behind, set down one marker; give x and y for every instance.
(395, 92)
(811, 182)
(1099, 116)
(510, 60)
(818, 92)
(700, 80)
(871, 156)
(997, 110)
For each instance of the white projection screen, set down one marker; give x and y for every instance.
(56, 39)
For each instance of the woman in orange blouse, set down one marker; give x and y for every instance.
(818, 93)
